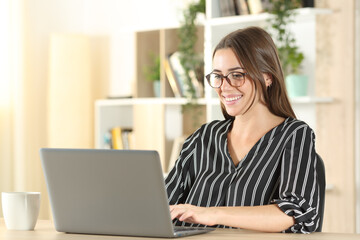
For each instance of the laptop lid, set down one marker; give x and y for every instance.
(116, 192)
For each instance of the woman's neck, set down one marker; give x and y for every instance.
(256, 122)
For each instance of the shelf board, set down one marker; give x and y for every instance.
(201, 101)
(311, 99)
(137, 101)
(297, 100)
(218, 21)
(262, 17)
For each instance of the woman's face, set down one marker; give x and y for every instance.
(235, 99)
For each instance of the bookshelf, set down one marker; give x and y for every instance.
(157, 122)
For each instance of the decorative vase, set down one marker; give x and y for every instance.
(297, 85)
(156, 86)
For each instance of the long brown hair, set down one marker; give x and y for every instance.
(257, 53)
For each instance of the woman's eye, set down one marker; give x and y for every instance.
(217, 76)
(236, 76)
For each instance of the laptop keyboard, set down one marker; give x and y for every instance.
(183, 229)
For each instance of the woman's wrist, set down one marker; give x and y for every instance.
(216, 214)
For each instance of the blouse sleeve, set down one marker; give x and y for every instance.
(179, 180)
(299, 189)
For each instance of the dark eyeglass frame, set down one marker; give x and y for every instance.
(227, 78)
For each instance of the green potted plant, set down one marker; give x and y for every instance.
(152, 72)
(290, 55)
(189, 59)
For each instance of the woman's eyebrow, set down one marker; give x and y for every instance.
(229, 70)
(235, 68)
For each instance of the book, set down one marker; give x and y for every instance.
(255, 6)
(307, 3)
(121, 138)
(179, 72)
(242, 7)
(227, 8)
(172, 78)
(236, 7)
(266, 5)
(177, 76)
(127, 138)
(116, 138)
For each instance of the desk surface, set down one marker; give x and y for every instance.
(45, 230)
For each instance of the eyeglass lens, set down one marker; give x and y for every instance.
(235, 79)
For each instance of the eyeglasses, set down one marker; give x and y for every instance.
(235, 79)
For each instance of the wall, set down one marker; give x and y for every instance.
(110, 24)
(335, 76)
(357, 111)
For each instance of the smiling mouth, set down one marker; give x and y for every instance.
(232, 99)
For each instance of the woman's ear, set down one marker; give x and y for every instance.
(268, 79)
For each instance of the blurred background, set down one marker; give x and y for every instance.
(62, 60)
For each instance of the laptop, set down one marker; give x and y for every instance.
(110, 192)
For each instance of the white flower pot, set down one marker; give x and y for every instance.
(297, 85)
(156, 86)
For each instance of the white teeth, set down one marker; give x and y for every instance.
(232, 99)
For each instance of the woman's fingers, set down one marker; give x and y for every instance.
(191, 214)
(177, 211)
(188, 216)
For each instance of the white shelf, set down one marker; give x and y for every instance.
(261, 17)
(201, 101)
(201, 19)
(150, 101)
(311, 99)
(238, 19)
(297, 100)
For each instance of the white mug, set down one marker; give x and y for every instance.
(20, 209)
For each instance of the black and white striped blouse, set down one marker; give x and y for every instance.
(280, 168)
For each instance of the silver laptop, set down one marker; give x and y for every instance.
(112, 192)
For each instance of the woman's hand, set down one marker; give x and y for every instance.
(193, 214)
(267, 218)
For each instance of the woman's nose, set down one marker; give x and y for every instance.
(225, 84)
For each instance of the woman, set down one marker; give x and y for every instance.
(255, 169)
